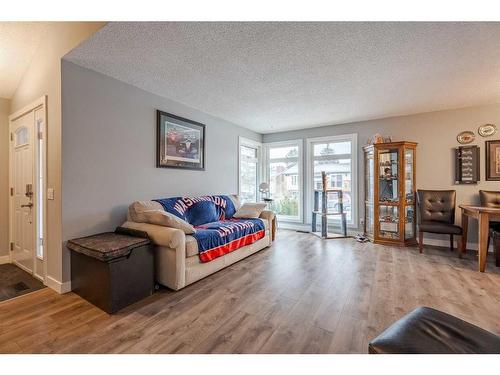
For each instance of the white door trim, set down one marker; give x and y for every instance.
(353, 138)
(242, 141)
(35, 105)
(300, 160)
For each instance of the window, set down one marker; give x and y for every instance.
(284, 173)
(336, 156)
(249, 170)
(21, 136)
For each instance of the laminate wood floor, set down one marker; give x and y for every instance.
(302, 295)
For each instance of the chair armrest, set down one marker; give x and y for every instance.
(160, 235)
(267, 215)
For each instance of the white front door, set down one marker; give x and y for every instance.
(22, 147)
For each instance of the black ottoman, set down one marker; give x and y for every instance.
(429, 331)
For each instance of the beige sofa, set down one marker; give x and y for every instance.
(177, 263)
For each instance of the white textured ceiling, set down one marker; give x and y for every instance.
(279, 76)
(18, 43)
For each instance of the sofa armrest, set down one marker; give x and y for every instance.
(170, 254)
(267, 215)
(160, 235)
(271, 219)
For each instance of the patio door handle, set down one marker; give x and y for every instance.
(27, 205)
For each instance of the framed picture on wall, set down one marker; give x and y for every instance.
(180, 142)
(493, 160)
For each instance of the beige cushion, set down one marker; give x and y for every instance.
(191, 246)
(250, 211)
(152, 212)
(236, 201)
(136, 209)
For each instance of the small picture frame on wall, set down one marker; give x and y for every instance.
(180, 142)
(467, 165)
(493, 160)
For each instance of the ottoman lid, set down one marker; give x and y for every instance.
(110, 245)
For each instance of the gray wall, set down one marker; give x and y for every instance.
(435, 133)
(109, 151)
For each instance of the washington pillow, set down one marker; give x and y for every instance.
(201, 213)
(250, 210)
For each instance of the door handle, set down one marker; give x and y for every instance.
(27, 205)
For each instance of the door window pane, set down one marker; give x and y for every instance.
(330, 157)
(284, 180)
(249, 176)
(21, 136)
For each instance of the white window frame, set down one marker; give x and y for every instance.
(300, 182)
(353, 138)
(242, 141)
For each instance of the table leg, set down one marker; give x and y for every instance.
(483, 239)
(273, 229)
(465, 225)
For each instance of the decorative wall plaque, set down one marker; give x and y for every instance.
(467, 165)
(487, 130)
(465, 137)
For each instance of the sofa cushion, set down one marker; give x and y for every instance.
(192, 244)
(236, 201)
(201, 213)
(152, 212)
(199, 210)
(250, 211)
(136, 209)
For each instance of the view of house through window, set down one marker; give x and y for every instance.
(249, 172)
(284, 179)
(333, 156)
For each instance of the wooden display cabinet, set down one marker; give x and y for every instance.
(390, 198)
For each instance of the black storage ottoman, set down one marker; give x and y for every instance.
(112, 270)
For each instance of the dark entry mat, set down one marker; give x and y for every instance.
(15, 282)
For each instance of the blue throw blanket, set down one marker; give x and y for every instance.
(217, 233)
(199, 210)
(222, 237)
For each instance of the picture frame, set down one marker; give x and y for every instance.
(492, 160)
(467, 165)
(180, 142)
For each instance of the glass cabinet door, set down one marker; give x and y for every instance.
(388, 189)
(369, 192)
(409, 194)
(389, 222)
(388, 194)
(369, 176)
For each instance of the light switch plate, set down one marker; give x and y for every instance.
(50, 194)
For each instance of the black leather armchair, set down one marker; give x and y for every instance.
(437, 214)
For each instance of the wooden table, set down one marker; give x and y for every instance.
(483, 215)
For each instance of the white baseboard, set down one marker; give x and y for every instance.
(59, 287)
(4, 259)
